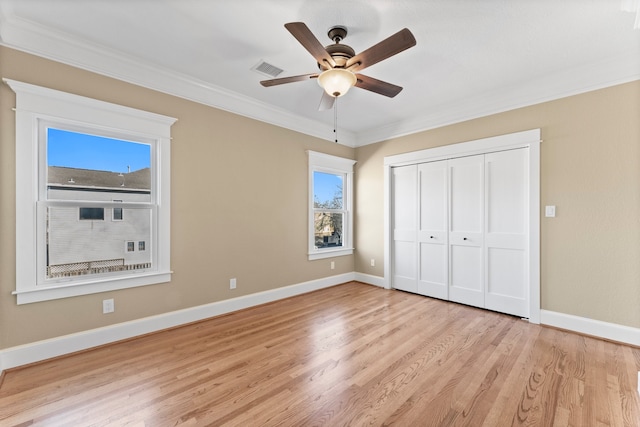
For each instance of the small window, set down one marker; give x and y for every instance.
(131, 246)
(141, 245)
(96, 214)
(117, 214)
(330, 206)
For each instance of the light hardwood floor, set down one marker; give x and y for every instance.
(349, 355)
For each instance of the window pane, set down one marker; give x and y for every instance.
(117, 214)
(87, 167)
(327, 190)
(328, 229)
(89, 247)
(92, 213)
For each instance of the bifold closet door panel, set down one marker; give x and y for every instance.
(433, 267)
(404, 220)
(466, 230)
(507, 228)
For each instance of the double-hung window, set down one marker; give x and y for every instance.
(92, 178)
(330, 206)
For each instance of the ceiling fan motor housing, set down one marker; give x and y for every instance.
(340, 53)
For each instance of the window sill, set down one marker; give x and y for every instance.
(330, 253)
(76, 288)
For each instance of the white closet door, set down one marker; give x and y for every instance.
(507, 227)
(404, 261)
(433, 268)
(466, 226)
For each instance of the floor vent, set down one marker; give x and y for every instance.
(267, 69)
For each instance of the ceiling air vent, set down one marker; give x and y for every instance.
(267, 69)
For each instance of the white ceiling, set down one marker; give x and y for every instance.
(472, 57)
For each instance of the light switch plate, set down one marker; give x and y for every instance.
(550, 211)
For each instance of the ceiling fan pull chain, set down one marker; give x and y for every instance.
(335, 119)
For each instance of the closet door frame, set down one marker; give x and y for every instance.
(526, 139)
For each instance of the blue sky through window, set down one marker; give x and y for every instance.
(83, 151)
(325, 186)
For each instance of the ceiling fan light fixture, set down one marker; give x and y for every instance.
(337, 81)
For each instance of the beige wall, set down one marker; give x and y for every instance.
(590, 169)
(239, 190)
(239, 207)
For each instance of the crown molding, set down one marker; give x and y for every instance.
(610, 72)
(42, 41)
(45, 42)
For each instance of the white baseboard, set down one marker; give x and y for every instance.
(370, 279)
(46, 349)
(596, 328)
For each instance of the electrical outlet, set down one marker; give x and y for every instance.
(232, 283)
(373, 262)
(108, 306)
(333, 265)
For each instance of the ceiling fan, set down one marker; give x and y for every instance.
(340, 65)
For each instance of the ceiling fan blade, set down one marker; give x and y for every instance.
(377, 86)
(283, 80)
(388, 47)
(326, 102)
(303, 34)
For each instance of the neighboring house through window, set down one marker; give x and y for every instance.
(79, 169)
(330, 206)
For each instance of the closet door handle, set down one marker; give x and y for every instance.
(431, 237)
(464, 238)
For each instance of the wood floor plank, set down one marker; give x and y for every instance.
(352, 355)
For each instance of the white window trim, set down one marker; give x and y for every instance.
(35, 104)
(320, 162)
